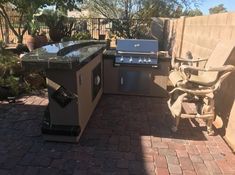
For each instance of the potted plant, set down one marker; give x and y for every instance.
(59, 24)
(42, 38)
(32, 40)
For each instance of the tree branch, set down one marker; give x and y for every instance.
(20, 23)
(6, 17)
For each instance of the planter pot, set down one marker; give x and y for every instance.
(5, 92)
(32, 42)
(43, 40)
(55, 35)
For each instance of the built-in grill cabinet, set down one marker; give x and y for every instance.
(134, 69)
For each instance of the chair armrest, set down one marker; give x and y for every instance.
(225, 68)
(187, 70)
(175, 61)
(191, 60)
(199, 91)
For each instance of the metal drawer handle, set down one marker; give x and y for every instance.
(122, 82)
(97, 80)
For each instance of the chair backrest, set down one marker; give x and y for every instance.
(218, 58)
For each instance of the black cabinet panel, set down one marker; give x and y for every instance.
(134, 81)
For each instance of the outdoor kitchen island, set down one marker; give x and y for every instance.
(74, 80)
(78, 73)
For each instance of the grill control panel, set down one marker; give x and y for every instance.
(136, 60)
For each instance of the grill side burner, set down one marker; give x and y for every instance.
(133, 52)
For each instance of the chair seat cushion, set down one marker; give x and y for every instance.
(175, 77)
(204, 80)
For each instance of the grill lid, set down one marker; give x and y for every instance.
(135, 46)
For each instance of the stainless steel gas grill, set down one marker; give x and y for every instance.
(134, 69)
(133, 52)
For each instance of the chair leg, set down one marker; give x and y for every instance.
(175, 106)
(209, 108)
(175, 127)
(210, 130)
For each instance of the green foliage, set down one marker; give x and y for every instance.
(13, 79)
(195, 12)
(130, 11)
(12, 82)
(26, 9)
(132, 28)
(8, 75)
(33, 27)
(217, 9)
(51, 18)
(1, 46)
(140, 8)
(58, 23)
(82, 36)
(7, 62)
(168, 8)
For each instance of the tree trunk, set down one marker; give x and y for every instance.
(19, 39)
(6, 33)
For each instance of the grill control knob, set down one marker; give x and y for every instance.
(140, 60)
(149, 60)
(145, 60)
(130, 60)
(121, 59)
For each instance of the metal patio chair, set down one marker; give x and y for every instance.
(193, 96)
(218, 57)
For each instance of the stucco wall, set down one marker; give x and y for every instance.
(200, 34)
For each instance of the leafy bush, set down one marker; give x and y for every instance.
(58, 23)
(9, 69)
(78, 36)
(12, 83)
(1, 46)
(14, 80)
(82, 36)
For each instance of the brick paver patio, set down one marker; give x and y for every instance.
(126, 135)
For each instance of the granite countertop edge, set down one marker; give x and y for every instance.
(45, 64)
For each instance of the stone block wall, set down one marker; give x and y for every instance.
(200, 34)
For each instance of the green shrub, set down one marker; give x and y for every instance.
(8, 73)
(1, 46)
(14, 80)
(82, 36)
(13, 83)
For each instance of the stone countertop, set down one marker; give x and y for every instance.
(64, 55)
(110, 53)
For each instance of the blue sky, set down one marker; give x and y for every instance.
(206, 4)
